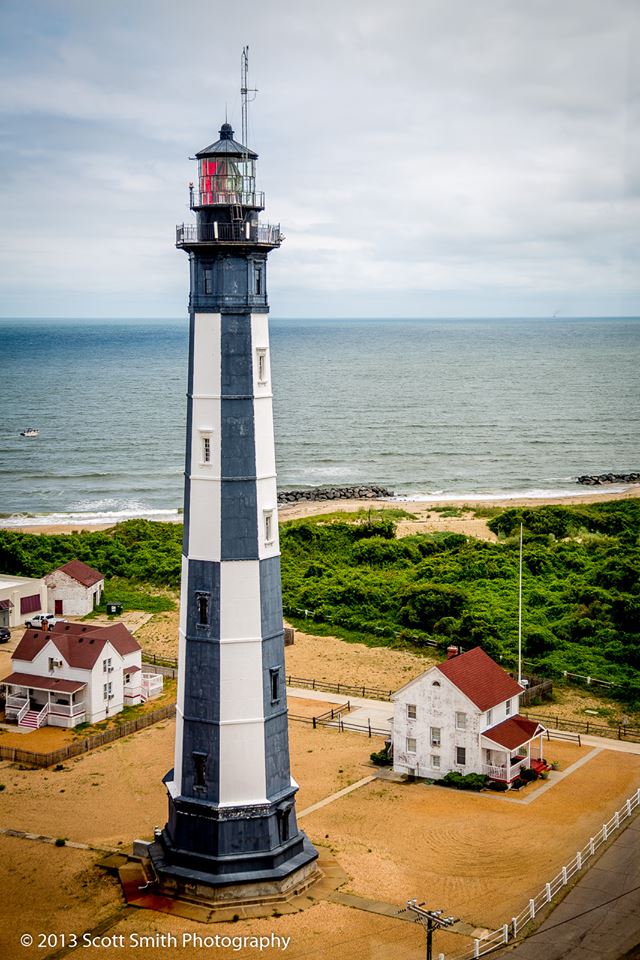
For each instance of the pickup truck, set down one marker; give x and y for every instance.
(45, 621)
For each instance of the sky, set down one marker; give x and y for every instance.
(425, 158)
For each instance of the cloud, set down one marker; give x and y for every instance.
(415, 153)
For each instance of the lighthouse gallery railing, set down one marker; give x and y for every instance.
(228, 232)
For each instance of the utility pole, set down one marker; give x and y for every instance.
(431, 920)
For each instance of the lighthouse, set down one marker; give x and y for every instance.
(231, 830)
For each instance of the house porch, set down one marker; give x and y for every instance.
(33, 701)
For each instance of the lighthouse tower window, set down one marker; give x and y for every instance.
(258, 280)
(206, 448)
(275, 684)
(199, 770)
(261, 361)
(208, 281)
(268, 526)
(202, 602)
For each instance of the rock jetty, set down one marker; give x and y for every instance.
(596, 480)
(369, 492)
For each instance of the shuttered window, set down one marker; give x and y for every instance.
(29, 604)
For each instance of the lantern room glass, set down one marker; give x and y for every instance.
(226, 180)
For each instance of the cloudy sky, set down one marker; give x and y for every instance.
(424, 157)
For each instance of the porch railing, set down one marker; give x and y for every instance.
(17, 710)
(503, 773)
(152, 685)
(68, 709)
(42, 716)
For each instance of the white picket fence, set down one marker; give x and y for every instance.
(509, 931)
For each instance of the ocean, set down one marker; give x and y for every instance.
(429, 408)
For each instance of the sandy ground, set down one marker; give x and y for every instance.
(479, 856)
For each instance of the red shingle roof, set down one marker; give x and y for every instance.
(513, 732)
(81, 572)
(480, 678)
(32, 642)
(80, 644)
(43, 683)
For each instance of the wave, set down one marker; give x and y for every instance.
(437, 496)
(89, 518)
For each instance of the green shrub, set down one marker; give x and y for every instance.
(528, 774)
(518, 783)
(498, 785)
(381, 758)
(60, 842)
(459, 781)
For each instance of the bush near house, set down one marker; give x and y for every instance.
(459, 781)
(528, 774)
(498, 785)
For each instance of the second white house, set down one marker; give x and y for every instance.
(463, 715)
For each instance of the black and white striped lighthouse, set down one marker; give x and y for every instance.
(232, 816)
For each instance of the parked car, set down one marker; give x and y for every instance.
(44, 621)
(5, 634)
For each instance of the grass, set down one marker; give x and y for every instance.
(134, 596)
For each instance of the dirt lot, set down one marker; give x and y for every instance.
(480, 856)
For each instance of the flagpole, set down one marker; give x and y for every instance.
(520, 612)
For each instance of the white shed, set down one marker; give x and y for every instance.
(75, 589)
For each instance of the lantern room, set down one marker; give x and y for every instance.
(226, 174)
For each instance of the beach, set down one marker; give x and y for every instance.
(427, 518)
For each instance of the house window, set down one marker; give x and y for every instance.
(436, 683)
(275, 684)
(435, 761)
(435, 736)
(208, 281)
(489, 716)
(461, 721)
(202, 601)
(412, 711)
(507, 708)
(106, 665)
(199, 770)
(206, 449)
(261, 363)
(107, 691)
(411, 744)
(268, 526)
(461, 756)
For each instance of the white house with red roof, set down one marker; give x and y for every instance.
(74, 589)
(76, 673)
(463, 715)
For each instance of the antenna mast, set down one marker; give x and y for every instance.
(245, 90)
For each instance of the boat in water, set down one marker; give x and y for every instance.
(29, 432)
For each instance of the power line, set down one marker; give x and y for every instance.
(576, 916)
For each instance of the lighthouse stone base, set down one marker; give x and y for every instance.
(217, 854)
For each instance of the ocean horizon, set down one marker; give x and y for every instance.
(484, 409)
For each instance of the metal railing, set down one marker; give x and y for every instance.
(240, 232)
